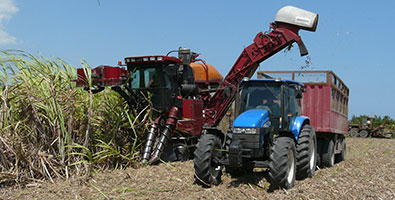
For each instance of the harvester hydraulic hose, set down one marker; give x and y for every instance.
(150, 140)
(165, 135)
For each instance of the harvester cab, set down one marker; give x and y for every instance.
(161, 79)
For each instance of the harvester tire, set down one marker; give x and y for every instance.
(182, 152)
(306, 153)
(342, 155)
(282, 166)
(353, 133)
(207, 169)
(328, 153)
(363, 134)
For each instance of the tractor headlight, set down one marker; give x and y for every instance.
(239, 130)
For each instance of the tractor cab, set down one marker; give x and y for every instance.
(278, 100)
(268, 108)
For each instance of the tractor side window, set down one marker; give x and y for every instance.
(292, 107)
(299, 106)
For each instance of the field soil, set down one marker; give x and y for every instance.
(368, 173)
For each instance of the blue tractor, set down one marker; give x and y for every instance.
(269, 132)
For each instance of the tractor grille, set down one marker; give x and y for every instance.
(249, 141)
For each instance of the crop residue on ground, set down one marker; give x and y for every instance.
(368, 173)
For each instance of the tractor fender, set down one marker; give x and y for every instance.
(252, 118)
(297, 124)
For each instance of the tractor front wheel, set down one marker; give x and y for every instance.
(208, 170)
(282, 166)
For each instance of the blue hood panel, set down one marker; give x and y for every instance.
(252, 118)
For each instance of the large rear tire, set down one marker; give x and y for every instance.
(208, 171)
(282, 167)
(306, 153)
(328, 153)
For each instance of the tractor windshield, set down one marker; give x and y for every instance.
(150, 77)
(261, 95)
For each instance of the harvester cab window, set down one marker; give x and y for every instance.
(152, 77)
(136, 79)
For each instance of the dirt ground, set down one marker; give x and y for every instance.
(368, 173)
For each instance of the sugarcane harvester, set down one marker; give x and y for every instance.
(189, 97)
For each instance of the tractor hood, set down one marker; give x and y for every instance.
(252, 118)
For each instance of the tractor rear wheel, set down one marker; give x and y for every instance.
(328, 153)
(306, 153)
(208, 171)
(363, 134)
(282, 166)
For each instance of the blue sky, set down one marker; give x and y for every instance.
(355, 39)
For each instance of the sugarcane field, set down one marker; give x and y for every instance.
(196, 100)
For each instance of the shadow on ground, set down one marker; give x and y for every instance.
(252, 179)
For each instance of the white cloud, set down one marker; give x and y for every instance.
(7, 10)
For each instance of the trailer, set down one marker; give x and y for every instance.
(325, 102)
